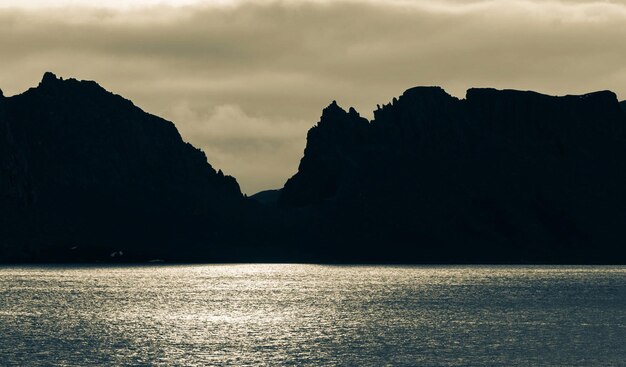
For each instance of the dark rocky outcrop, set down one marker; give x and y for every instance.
(332, 144)
(501, 176)
(84, 168)
(623, 105)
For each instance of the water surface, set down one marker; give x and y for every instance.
(314, 315)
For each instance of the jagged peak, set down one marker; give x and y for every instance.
(332, 112)
(335, 112)
(418, 93)
(52, 85)
(1, 93)
(48, 78)
(333, 108)
(335, 116)
(353, 112)
(416, 97)
(51, 79)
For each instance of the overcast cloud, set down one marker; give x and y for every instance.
(244, 80)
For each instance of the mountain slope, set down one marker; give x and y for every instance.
(92, 170)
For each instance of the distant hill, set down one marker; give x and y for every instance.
(267, 197)
(500, 176)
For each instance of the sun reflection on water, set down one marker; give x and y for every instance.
(268, 315)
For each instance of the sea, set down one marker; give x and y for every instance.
(312, 315)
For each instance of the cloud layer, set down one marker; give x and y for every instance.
(244, 80)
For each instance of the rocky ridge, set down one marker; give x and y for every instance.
(500, 176)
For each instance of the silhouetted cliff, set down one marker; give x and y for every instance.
(85, 168)
(500, 176)
(328, 155)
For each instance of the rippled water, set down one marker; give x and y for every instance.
(273, 315)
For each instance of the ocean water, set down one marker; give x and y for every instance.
(313, 315)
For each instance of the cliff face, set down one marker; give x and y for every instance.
(96, 170)
(497, 176)
(333, 147)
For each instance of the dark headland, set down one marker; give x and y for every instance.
(501, 176)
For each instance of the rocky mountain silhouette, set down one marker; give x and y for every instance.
(500, 176)
(85, 169)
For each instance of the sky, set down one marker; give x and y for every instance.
(245, 79)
